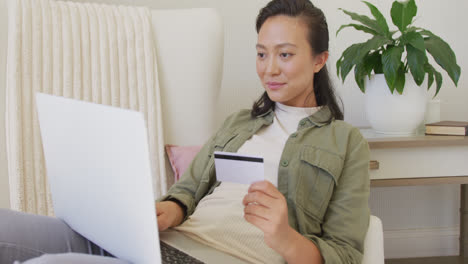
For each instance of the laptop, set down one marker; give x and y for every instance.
(98, 167)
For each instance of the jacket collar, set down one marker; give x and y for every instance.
(321, 117)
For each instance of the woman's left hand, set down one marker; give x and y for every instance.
(266, 208)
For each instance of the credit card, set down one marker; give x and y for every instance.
(238, 168)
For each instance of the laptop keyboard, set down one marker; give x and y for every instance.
(171, 255)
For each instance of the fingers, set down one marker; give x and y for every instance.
(169, 214)
(159, 209)
(259, 222)
(163, 222)
(163, 216)
(265, 187)
(257, 210)
(264, 193)
(259, 198)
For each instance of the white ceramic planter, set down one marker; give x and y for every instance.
(395, 114)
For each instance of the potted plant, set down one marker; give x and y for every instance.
(391, 66)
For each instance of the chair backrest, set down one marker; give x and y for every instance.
(190, 49)
(373, 244)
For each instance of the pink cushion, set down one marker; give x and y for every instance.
(180, 158)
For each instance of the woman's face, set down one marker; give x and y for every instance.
(285, 63)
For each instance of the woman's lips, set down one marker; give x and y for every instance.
(274, 85)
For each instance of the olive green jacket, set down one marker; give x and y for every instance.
(323, 173)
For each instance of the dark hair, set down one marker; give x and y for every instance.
(318, 39)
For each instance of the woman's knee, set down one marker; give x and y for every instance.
(24, 236)
(13, 237)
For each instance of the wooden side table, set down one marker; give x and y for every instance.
(427, 160)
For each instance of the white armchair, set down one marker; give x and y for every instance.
(190, 56)
(190, 49)
(373, 244)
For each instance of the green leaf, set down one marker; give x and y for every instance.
(416, 61)
(443, 55)
(338, 66)
(348, 58)
(400, 79)
(410, 29)
(438, 77)
(356, 52)
(358, 27)
(378, 67)
(373, 61)
(359, 75)
(365, 20)
(414, 39)
(403, 13)
(391, 61)
(393, 32)
(430, 74)
(379, 18)
(364, 68)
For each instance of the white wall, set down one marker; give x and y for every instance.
(405, 211)
(240, 84)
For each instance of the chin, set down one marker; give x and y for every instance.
(277, 98)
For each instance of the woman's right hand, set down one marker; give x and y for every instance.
(169, 214)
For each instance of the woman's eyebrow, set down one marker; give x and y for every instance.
(276, 46)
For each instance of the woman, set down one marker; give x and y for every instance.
(312, 207)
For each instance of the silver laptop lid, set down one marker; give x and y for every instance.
(98, 167)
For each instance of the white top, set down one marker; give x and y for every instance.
(218, 220)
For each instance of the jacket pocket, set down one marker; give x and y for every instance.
(319, 172)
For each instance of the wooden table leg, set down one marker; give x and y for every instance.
(464, 223)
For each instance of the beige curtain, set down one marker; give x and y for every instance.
(93, 52)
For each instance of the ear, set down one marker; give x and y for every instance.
(320, 60)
